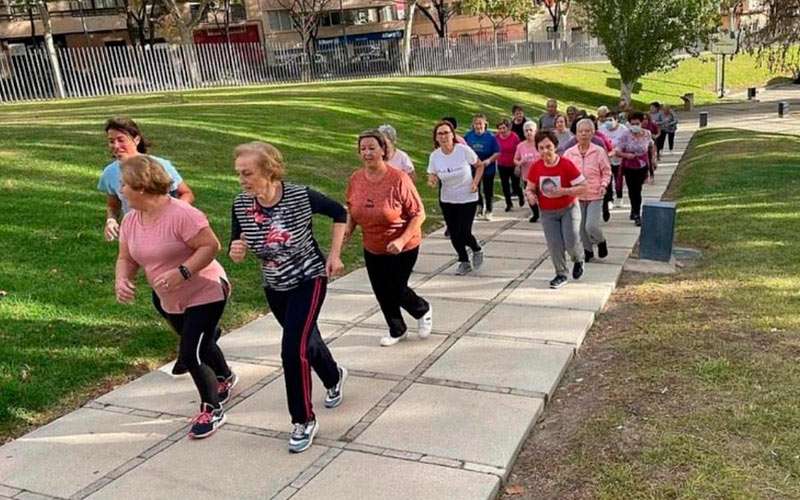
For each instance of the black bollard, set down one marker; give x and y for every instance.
(783, 109)
(751, 93)
(703, 119)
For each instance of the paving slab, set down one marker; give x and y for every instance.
(346, 307)
(573, 295)
(499, 267)
(267, 408)
(68, 454)
(616, 256)
(437, 246)
(503, 363)
(453, 423)
(358, 281)
(619, 239)
(596, 272)
(448, 315)
(264, 342)
(226, 465)
(539, 323)
(429, 263)
(463, 287)
(161, 392)
(508, 250)
(354, 475)
(360, 349)
(529, 235)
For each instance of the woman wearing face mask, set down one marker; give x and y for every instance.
(272, 219)
(485, 145)
(525, 156)
(635, 150)
(614, 131)
(451, 166)
(385, 203)
(509, 180)
(125, 140)
(555, 182)
(593, 163)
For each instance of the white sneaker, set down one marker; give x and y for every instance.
(488, 216)
(388, 340)
(425, 323)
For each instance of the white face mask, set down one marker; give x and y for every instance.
(636, 129)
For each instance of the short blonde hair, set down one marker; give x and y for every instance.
(268, 159)
(602, 110)
(143, 173)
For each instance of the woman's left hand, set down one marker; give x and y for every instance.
(395, 246)
(334, 266)
(170, 280)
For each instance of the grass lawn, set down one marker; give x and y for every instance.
(687, 385)
(63, 338)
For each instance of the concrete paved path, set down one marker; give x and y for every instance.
(439, 418)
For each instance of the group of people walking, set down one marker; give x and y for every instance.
(149, 210)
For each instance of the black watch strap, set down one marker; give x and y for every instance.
(185, 272)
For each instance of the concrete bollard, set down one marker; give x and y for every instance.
(783, 109)
(658, 230)
(703, 119)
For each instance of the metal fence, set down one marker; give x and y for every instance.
(27, 74)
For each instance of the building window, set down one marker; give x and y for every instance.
(388, 14)
(280, 20)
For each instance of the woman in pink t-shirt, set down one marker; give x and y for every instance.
(525, 156)
(175, 245)
(509, 180)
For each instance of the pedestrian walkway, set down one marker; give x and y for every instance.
(437, 418)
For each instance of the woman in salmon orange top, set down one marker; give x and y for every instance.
(386, 204)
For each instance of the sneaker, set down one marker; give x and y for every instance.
(588, 255)
(602, 249)
(302, 436)
(225, 387)
(637, 221)
(632, 216)
(477, 259)
(179, 368)
(533, 218)
(488, 216)
(463, 268)
(606, 212)
(425, 323)
(577, 270)
(559, 281)
(508, 208)
(333, 396)
(446, 232)
(388, 340)
(207, 421)
(521, 202)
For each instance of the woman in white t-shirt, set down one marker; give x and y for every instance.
(451, 166)
(397, 157)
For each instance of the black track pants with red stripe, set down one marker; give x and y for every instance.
(302, 347)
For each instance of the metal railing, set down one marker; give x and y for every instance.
(27, 74)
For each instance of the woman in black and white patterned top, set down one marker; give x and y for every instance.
(272, 219)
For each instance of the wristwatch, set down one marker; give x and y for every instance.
(185, 272)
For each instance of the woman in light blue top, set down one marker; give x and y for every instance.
(124, 141)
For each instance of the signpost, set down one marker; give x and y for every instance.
(723, 44)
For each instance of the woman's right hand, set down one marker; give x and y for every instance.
(433, 181)
(531, 198)
(125, 290)
(238, 251)
(111, 231)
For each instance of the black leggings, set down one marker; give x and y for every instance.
(302, 347)
(198, 350)
(459, 218)
(388, 275)
(635, 179)
(486, 194)
(511, 183)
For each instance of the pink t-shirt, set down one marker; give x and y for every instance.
(528, 155)
(160, 246)
(508, 147)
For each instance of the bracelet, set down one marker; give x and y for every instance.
(185, 272)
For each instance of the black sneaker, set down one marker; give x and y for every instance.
(446, 232)
(521, 202)
(588, 255)
(632, 216)
(559, 281)
(577, 270)
(606, 212)
(333, 396)
(179, 368)
(207, 421)
(637, 221)
(302, 436)
(533, 218)
(508, 208)
(225, 387)
(602, 249)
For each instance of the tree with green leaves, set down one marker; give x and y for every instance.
(641, 36)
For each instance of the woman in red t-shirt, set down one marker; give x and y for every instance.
(554, 183)
(387, 206)
(508, 142)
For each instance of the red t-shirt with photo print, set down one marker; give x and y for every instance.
(562, 174)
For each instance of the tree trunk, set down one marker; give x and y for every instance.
(34, 43)
(496, 49)
(411, 7)
(192, 65)
(626, 90)
(58, 81)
